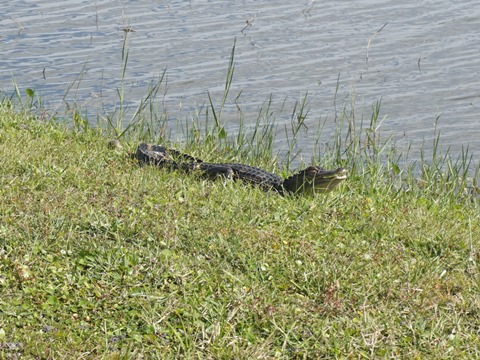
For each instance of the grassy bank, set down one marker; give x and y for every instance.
(100, 258)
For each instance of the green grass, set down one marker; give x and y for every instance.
(103, 259)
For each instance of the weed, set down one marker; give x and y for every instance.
(100, 258)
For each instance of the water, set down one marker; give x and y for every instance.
(423, 64)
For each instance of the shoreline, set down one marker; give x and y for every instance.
(102, 258)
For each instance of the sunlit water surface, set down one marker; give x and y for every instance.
(421, 59)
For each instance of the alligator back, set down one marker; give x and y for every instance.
(246, 173)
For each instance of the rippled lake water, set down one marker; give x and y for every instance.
(423, 64)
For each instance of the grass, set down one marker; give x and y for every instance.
(103, 259)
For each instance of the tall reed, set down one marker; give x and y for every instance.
(357, 144)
